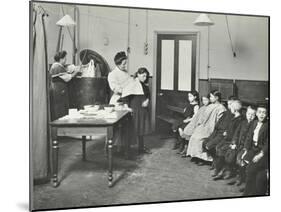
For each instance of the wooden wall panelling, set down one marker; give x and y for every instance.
(203, 87)
(225, 86)
(250, 91)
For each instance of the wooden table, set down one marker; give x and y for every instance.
(89, 127)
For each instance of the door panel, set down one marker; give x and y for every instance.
(185, 68)
(167, 64)
(176, 64)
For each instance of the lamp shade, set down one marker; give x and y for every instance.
(203, 20)
(66, 21)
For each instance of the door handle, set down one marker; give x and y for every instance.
(160, 94)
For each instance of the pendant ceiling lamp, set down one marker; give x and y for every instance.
(204, 21)
(65, 21)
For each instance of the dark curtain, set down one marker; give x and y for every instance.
(39, 97)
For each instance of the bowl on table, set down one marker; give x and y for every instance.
(87, 107)
(108, 108)
(92, 108)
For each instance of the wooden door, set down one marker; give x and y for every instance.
(176, 68)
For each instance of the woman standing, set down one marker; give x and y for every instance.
(139, 105)
(118, 78)
(58, 88)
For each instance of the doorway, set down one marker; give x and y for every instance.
(176, 73)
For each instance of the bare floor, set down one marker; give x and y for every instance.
(160, 176)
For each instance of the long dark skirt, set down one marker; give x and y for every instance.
(140, 117)
(59, 99)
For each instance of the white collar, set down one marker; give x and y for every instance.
(57, 63)
(118, 69)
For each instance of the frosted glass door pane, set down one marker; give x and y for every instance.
(185, 56)
(167, 65)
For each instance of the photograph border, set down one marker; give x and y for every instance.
(31, 183)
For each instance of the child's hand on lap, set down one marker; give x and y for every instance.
(145, 103)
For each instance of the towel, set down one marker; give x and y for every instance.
(133, 87)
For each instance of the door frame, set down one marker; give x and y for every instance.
(154, 78)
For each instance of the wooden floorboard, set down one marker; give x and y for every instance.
(161, 176)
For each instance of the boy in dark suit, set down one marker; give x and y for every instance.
(226, 142)
(256, 150)
(236, 149)
(209, 145)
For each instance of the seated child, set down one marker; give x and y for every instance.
(209, 145)
(236, 149)
(256, 150)
(189, 111)
(197, 119)
(212, 114)
(225, 143)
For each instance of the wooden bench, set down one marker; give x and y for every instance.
(172, 116)
(169, 118)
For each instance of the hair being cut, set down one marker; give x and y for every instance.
(60, 55)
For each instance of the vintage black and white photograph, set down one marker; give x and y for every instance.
(136, 105)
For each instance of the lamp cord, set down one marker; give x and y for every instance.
(208, 60)
(146, 26)
(67, 26)
(128, 44)
(229, 35)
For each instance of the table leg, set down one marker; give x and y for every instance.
(55, 147)
(110, 176)
(120, 147)
(127, 143)
(84, 147)
(106, 146)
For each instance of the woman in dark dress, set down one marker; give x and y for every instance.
(140, 107)
(60, 75)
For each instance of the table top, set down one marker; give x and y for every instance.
(90, 121)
